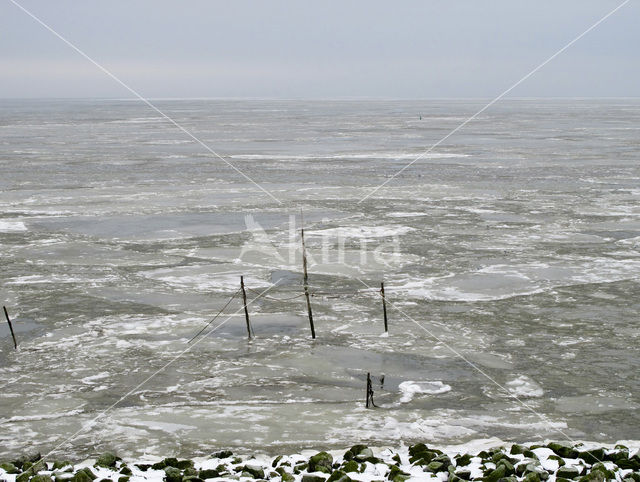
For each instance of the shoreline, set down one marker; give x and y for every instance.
(531, 462)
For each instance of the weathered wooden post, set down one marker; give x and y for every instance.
(246, 311)
(306, 285)
(369, 392)
(6, 315)
(384, 308)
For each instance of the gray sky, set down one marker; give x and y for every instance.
(296, 48)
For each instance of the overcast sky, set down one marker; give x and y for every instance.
(302, 49)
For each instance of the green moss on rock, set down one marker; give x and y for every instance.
(63, 476)
(183, 464)
(339, 476)
(9, 468)
(41, 478)
(321, 462)
(568, 472)
(508, 466)
(463, 474)
(107, 460)
(532, 477)
(563, 450)
(287, 477)
(172, 474)
(596, 476)
(312, 478)
(23, 477)
(208, 474)
(592, 456)
(351, 466)
(496, 474)
(192, 478)
(517, 449)
(255, 470)
(396, 472)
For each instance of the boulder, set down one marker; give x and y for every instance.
(531, 477)
(339, 476)
(632, 463)
(620, 454)
(63, 476)
(208, 474)
(594, 476)
(508, 467)
(81, 476)
(312, 478)
(62, 464)
(256, 471)
(396, 472)
(107, 460)
(41, 478)
(417, 448)
(321, 462)
(536, 469)
(599, 467)
(563, 449)
(26, 460)
(497, 457)
(23, 477)
(351, 466)
(223, 454)
(496, 474)
(464, 474)
(568, 472)
(592, 456)
(172, 474)
(9, 468)
(363, 455)
(192, 478)
(517, 449)
(522, 466)
(435, 467)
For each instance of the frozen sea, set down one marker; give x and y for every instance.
(510, 256)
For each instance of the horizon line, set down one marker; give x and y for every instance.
(339, 98)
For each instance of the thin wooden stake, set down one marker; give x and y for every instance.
(246, 311)
(6, 315)
(306, 285)
(384, 308)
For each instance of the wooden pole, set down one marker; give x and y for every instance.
(384, 308)
(306, 285)
(6, 315)
(246, 311)
(368, 389)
